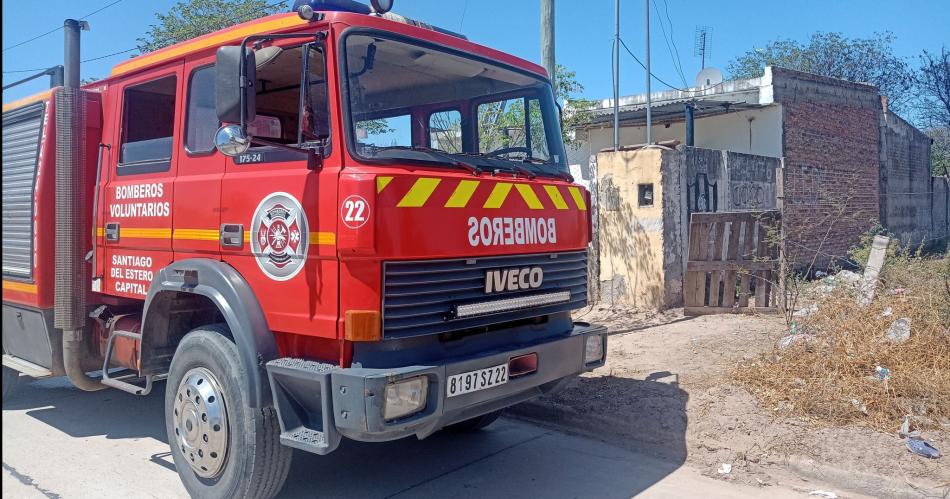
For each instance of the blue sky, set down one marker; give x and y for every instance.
(584, 31)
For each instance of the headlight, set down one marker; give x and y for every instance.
(405, 397)
(594, 349)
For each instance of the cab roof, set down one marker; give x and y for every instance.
(289, 22)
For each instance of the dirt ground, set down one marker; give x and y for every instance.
(666, 390)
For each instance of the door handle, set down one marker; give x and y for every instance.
(112, 231)
(232, 235)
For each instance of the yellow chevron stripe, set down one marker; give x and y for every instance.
(197, 234)
(556, 197)
(419, 193)
(462, 194)
(381, 183)
(323, 238)
(578, 198)
(145, 233)
(527, 193)
(19, 286)
(498, 195)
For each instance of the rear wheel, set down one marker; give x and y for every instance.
(474, 424)
(222, 447)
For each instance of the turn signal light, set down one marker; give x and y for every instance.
(361, 325)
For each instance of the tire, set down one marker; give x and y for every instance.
(474, 424)
(11, 379)
(246, 460)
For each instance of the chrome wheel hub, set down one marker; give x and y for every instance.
(201, 422)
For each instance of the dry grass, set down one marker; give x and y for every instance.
(830, 379)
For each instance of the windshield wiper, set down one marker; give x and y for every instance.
(559, 174)
(473, 169)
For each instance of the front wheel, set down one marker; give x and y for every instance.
(222, 447)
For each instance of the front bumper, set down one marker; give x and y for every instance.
(317, 404)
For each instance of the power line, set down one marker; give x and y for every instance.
(33, 70)
(655, 77)
(37, 37)
(669, 47)
(676, 50)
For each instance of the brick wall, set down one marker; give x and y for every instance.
(906, 191)
(831, 182)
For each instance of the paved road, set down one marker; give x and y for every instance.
(60, 442)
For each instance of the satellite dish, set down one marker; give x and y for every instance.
(708, 77)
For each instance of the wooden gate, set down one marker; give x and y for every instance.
(731, 266)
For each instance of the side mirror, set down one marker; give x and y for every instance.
(231, 140)
(235, 85)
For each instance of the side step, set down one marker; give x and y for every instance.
(301, 390)
(25, 367)
(122, 382)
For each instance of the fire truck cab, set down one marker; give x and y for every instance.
(334, 222)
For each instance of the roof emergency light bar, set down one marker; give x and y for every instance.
(306, 9)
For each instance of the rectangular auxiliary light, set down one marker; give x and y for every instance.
(510, 304)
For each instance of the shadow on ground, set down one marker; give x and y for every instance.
(507, 459)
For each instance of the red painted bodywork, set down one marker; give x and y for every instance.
(343, 266)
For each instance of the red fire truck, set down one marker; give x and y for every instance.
(334, 222)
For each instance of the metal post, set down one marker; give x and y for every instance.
(646, 10)
(56, 76)
(617, 75)
(547, 39)
(689, 124)
(71, 48)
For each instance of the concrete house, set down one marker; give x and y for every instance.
(827, 153)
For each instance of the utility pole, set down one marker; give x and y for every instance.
(616, 75)
(547, 39)
(646, 10)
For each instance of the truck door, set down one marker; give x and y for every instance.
(136, 224)
(196, 211)
(285, 209)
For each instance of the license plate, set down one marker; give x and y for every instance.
(473, 381)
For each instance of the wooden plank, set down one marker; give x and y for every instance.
(702, 238)
(715, 277)
(745, 279)
(729, 286)
(711, 266)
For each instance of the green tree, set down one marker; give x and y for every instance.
(869, 60)
(577, 110)
(188, 19)
(933, 106)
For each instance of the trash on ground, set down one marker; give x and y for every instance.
(819, 274)
(859, 406)
(791, 339)
(882, 373)
(823, 493)
(887, 312)
(872, 270)
(805, 312)
(922, 447)
(905, 431)
(899, 331)
(725, 469)
(897, 291)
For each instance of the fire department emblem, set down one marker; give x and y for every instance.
(279, 237)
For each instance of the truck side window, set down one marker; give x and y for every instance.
(148, 121)
(201, 121)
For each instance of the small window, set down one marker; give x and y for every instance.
(384, 132)
(505, 128)
(445, 131)
(644, 195)
(148, 125)
(202, 119)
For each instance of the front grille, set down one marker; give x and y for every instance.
(419, 297)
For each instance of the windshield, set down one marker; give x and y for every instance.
(414, 102)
